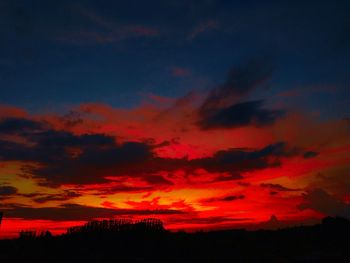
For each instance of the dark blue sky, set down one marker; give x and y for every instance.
(57, 53)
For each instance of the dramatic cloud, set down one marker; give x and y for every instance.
(240, 82)
(65, 158)
(321, 201)
(242, 160)
(135, 166)
(94, 163)
(310, 154)
(19, 126)
(209, 220)
(278, 187)
(227, 198)
(137, 160)
(7, 191)
(66, 196)
(74, 212)
(114, 111)
(225, 107)
(337, 181)
(97, 155)
(241, 114)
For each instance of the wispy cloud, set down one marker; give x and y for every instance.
(202, 28)
(102, 30)
(180, 71)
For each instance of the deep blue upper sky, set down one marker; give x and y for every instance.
(59, 53)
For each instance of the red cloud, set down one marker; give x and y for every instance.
(180, 72)
(156, 157)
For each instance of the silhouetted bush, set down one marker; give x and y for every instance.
(27, 234)
(151, 225)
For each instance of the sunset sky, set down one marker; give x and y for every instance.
(204, 114)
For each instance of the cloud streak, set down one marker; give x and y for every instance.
(64, 158)
(74, 212)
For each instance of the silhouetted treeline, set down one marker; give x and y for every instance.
(32, 234)
(147, 241)
(150, 225)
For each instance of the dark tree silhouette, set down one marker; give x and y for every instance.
(147, 241)
(151, 225)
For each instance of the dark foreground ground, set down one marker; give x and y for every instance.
(327, 242)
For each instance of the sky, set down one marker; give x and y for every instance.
(204, 114)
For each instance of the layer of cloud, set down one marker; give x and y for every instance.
(226, 106)
(75, 212)
(323, 202)
(62, 157)
(66, 196)
(7, 191)
(278, 187)
(227, 198)
(241, 114)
